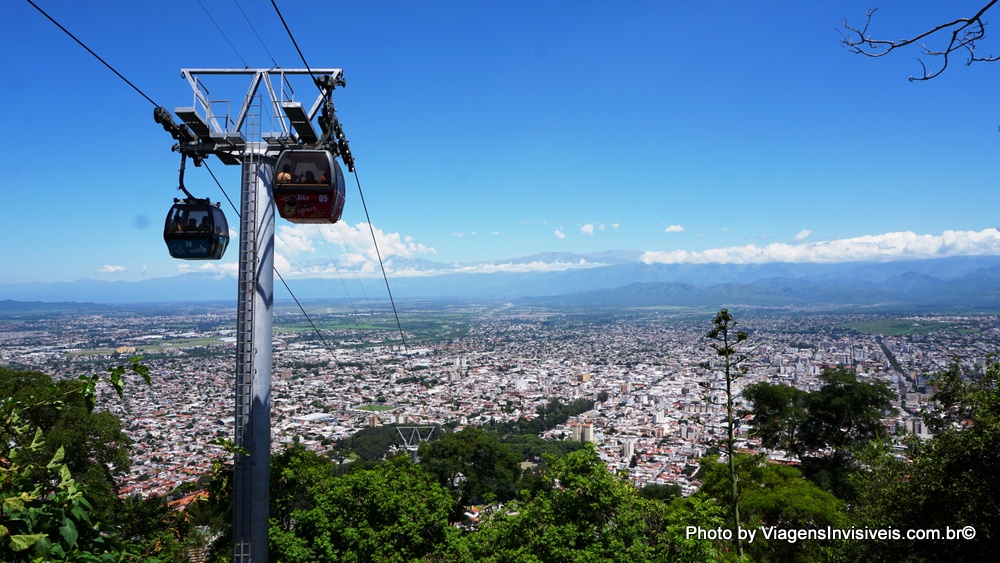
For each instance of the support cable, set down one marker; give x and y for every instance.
(381, 265)
(96, 56)
(150, 100)
(274, 62)
(318, 333)
(294, 42)
(370, 227)
(280, 277)
(204, 9)
(357, 274)
(334, 263)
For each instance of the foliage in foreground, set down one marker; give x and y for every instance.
(949, 482)
(46, 515)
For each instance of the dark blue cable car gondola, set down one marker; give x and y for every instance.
(196, 229)
(309, 187)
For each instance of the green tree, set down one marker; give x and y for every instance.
(95, 449)
(950, 481)
(45, 514)
(843, 416)
(160, 530)
(294, 473)
(473, 464)
(725, 338)
(395, 512)
(664, 493)
(779, 414)
(773, 495)
(588, 514)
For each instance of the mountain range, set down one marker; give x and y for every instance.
(610, 279)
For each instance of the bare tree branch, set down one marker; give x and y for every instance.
(962, 34)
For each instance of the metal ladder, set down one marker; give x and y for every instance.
(246, 347)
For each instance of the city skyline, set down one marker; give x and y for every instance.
(714, 133)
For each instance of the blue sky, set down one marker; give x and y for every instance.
(486, 131)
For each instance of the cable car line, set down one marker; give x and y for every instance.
(334, 264)
(294, 42)
(245, 65)
(181, 213)
(381, 265)
(96, 56)
(349, 160)
(280, 277)
(274, 62)
(179, 132)
(235, 210)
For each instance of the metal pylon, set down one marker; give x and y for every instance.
(253, 365)
(236, 138)
(412, 436)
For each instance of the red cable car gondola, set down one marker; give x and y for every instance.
(309, 187)
(196, 229)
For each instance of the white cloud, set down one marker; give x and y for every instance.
(495, 233)
(803, 235)
(615, 225)
(357, 248)
(459, 235)
(560, 234)
(291, 240)
(904, 245)
(109, 269)
(674, 229)
(587, 229)
(536, 266)
(310, 250)
(218, 269)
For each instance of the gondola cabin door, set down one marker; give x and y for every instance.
(309, 187)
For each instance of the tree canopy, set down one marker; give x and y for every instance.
(843, 415)
(45, 512)
(394, 512)
(949, 482)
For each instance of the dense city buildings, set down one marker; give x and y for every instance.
(650, 373)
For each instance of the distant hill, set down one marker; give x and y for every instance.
(610, 279)
(8, 306)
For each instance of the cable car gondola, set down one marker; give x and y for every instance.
(196, 229)
(309, 187)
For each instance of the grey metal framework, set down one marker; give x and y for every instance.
(412, 436)
(240, 139)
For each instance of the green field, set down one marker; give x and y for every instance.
(896, 327)
(418, 327)
(147, 349)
